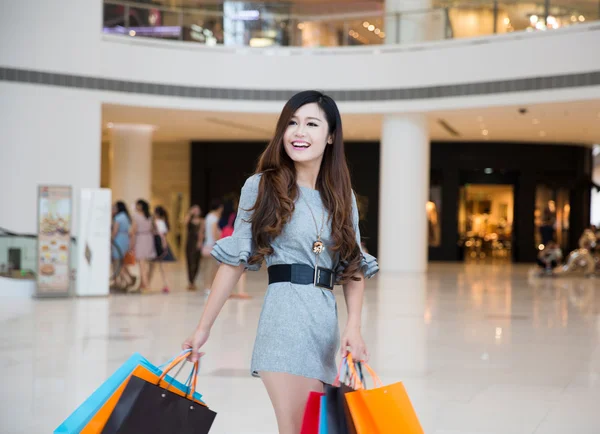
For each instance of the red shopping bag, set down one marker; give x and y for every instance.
(310, 421)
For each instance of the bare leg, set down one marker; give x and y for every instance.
(164, 277)
(143, 275)
(288, 395)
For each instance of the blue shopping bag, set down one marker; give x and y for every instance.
(84, 413)
(323, 415)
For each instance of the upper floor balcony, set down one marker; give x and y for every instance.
(337, 23)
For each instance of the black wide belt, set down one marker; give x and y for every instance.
(302, 275)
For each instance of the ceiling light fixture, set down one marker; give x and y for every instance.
(132, 33)
(581, 18)
(377, 31)
(485, 132)
(371, 28)
(366, 24)
(301, 26)
(382, 35)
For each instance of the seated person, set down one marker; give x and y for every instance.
(550, 256)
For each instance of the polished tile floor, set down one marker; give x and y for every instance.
(480, 349)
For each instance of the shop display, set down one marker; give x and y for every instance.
(54, 239)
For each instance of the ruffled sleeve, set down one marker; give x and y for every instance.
(368, 263)
(238, 248)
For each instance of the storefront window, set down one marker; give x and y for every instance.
(485, 220)
(551, 216)
(434, 211)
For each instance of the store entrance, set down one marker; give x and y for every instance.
(485, 221)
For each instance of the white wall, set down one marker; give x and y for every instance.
(501, 57)
(49, 136)
(60, 35)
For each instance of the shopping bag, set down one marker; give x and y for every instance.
(154, 407)
(382, 410)
(129, 258)
(82, 415)
(92, 414)
(323, 415)
(146, 372)
(339, 420)
(310, 420)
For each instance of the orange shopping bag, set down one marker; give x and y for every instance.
(98, 422)
(382, 410)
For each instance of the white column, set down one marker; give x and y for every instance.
(131, 163)
(407, 21)
(404, 191)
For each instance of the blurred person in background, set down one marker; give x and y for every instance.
(121, 229)
(549, 257)
(161, 246)
(211, 234)
(142, 240)
(195, 238)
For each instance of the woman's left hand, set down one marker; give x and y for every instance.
(353, 342)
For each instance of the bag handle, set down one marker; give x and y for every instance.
(343, 370)
(378, 382)
(193, 375)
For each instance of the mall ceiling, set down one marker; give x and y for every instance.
(572, 123)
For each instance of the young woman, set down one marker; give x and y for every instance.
(163, 251)
(193, 249)
(211, 234)
(120, 237)
(142, 240)
(298, 212)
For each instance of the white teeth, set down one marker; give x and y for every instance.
(300, 145)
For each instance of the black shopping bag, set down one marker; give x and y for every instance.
(147, 408)
(339, 419)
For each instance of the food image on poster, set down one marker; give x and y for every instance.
(54, 239)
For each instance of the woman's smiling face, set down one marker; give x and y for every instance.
(307, 134)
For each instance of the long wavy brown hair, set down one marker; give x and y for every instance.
(278, 190)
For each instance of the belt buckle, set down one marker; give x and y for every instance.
(317, 279)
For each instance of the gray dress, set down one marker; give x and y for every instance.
(298, 330)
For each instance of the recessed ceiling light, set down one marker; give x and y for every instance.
(301, 26)
(377, 31)
(485, 132)
(581, 18)
(366, 24)
(109, 125)
(382, 35)
(132, 33)
(488, 171)
(371, 28)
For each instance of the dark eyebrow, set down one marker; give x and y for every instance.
(310, 117)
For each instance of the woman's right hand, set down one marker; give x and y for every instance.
(195, 342)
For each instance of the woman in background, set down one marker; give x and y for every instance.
(120, 237)
(195, 237)
(142, 240)
(163, 251)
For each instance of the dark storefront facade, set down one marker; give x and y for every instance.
(471, 185)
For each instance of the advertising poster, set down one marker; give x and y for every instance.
(54, 240)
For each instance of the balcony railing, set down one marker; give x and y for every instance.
(275, 24)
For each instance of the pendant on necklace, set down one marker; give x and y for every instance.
(318, 247)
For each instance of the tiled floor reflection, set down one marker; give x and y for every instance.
(480, 348)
